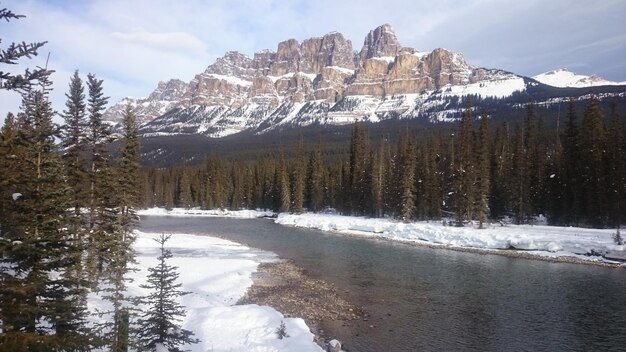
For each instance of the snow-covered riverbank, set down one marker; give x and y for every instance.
(538, 240)
(548, 241)
(217, 213)
(217, 273)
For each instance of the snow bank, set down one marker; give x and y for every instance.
(221, 213)
(218, 272)
(541, 240)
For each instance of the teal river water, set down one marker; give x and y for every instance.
(423, 299)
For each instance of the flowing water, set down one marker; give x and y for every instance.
(423, 299)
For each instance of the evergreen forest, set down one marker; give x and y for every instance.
(574, 175)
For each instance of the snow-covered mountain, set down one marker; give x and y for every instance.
(321, 81)
(564, 78)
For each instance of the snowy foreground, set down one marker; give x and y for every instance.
(218, 272)
(548, 241)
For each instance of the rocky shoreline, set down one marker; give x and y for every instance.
(288, 288)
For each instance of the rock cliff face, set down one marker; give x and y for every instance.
(320, 80)
(380, 42)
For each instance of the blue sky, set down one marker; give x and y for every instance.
(134, 44)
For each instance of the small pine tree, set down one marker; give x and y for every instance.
(281, 331)
(158, 326)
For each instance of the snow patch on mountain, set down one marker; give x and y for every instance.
(497, 88)
(563, 78)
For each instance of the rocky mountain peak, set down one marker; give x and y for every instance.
(380, 42)
(169, 91)
(233, 63)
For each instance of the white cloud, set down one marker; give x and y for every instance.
(164, 41)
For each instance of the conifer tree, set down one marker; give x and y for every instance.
(73, 144)
(407, 157)
(298, 178)
(158, 328)
(98, 138)
(111, 214)
(570, 186)
(482, 148)
(315, 179)
(535, 162)
(128, 170)
(358, 190)
(615, 167)
(377, 181)
(501, 165)
(463, 167)
(281, 183)
(592, 154)
(184, 189)
(101, 201)
(432, 180)
(13, 54)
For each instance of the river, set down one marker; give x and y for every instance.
(424, 299)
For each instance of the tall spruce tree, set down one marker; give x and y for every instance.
(482, 150)
(406, 152)
(298, 177)
(315, 180)
(570, 184)
(592, 154)
(128, 171)
(159, 328)
(615, 168)
(281, 184)
(73, 144)
(358, 185)
(464, 168)
(101, 201)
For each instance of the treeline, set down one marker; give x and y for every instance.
(575, 175)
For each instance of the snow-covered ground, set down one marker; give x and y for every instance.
(218, 272)
(221, 213)
(552, 241)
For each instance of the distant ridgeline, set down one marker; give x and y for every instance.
(316, 86)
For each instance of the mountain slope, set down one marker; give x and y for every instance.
(563, 78)
(322, 81)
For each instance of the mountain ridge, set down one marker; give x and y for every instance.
(322, 80)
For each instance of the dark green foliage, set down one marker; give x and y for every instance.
(73, 144)
(298, 178)
(406, 165)
(159, 324)
(281, 331)
(314, 182)
(281, 183)
(13, 54)
(357, 187)
(464, 169)
(481, 149)
(43, 300)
